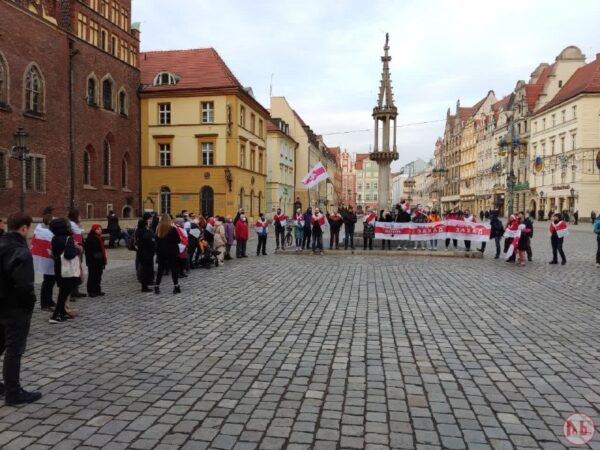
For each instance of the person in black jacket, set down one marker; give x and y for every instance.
(529, 226)
(335, 224)
(167, 253)
(349, 224)
(17, 299)
(385, 216)
(307, 229)
(496, 233)
(95, 259)
(64, 245)
(145, 244)
(402, 216)
(113, 229)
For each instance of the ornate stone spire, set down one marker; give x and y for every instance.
(385, 112)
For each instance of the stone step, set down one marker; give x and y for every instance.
(393, 252)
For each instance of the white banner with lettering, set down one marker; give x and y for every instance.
(452, 229)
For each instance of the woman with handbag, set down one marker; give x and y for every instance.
(67, 268)
(95, 258)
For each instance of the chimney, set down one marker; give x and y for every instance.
(597, 56)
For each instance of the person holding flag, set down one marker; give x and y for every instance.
(512, 234)
(77, 236)
(279, 220)
(558, 230)
(470, 218)
(262, 230)
(317, 221)
(209, 231)
(369, 230)
(335, 224)
(43, 262)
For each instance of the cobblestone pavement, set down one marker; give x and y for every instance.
(323, 353)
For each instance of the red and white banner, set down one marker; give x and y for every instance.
(281, 219)
(41, 250)
(77, 233)
(453, 229)
(561, 228)
(319, 218)
(315, 176)
(210, 225)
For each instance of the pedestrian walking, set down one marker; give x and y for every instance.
(349, 225)
(229, 237)
(280, 221)
(95, 259)
(262, 229)
(220, 239)
(43, 262)
(335, 224)
(67, 268)
(526, 220)
(558, 230)
(299, 229)
(597, 232)
(307, 229)
(576, 217)
(168, 249)
(113, 228)
(17, 300)
(241, 236)
(317, 221)
(145, 245)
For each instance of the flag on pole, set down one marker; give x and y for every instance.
(315, 176)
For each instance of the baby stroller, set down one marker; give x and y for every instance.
(208, 256)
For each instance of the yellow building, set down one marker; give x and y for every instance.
(203, 142)
(281, 161)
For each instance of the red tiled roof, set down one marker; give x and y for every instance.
(360, 157)
(585, 80)
(501, 103)
(533, 93)
(271, 126)
(201, 68)
(334, 150)
(465, 113)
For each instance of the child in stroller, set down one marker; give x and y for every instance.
(208, 256)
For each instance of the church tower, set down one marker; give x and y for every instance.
(384, 151)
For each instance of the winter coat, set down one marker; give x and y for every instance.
(17, 275)
(241, 230)
(402, 217)
(277, 221)
(145, 243)
(523, 243)
(529, 225)
(94, 256)
(497, 229)
(167, 248)
(597, 226)
(307, 216)
(113, 223)
(420, 218)
(229, 233)
(299, 226)
(62, 243)
(220, 237)
(349, 222)
(335, 222)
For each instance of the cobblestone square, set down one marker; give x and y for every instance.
(297, 352)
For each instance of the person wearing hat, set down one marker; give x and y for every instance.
(95, 258)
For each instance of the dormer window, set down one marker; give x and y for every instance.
(165, 79)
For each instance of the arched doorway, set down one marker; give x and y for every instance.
(207, 201)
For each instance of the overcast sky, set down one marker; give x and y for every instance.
(324, 55)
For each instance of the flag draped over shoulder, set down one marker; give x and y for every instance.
(41, 250)
(315, 176)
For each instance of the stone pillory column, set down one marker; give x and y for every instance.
(386, 113)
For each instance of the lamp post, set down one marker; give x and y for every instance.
(512, 144)
(20, 152)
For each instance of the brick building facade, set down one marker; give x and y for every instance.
(70, 80)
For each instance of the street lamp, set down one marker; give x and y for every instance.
(511, 145)
(20, 152)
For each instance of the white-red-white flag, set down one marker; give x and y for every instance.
(315, 176)
(371, 218)
(41, 250)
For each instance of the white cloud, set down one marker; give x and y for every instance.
(324, 54)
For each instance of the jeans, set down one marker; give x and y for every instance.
(349, 240)
(166, 263)
(14, 328)
(298, 243)
(317, 241)
(65, 288)
(369, 242)
(280, 233)
(306, 240)
(94, 279)
(335, 237)
(240, 249)
(46, 293)
(262, 244)
(557, 247)
(468, 245)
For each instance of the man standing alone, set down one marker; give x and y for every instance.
(17, 299)
(279, 220)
